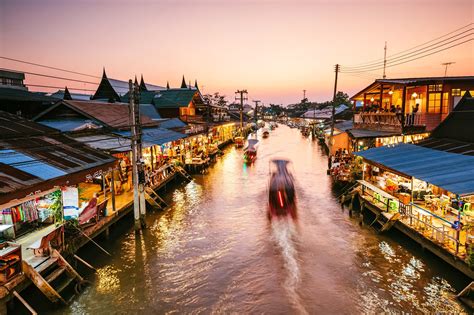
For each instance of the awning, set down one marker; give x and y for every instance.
(156, 135)
(450, 171)
(366, 133)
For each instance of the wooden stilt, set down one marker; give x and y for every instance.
(22, 300)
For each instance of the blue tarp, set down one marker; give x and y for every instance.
(156, 135)
(450, 171)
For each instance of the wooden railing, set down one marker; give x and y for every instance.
(378, 121)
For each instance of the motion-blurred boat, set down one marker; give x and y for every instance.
(250, 151)
(282, 198)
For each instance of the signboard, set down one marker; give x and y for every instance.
(70, 203)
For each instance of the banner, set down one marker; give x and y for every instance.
(71, 202)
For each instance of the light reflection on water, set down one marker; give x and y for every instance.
(214, 251)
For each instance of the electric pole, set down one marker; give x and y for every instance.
(384, 60)
(242, 96)
(138, 175)
(304, 96)
(446, 64)
(256, 109)
(333, 106)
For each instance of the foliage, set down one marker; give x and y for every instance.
(356, 168)
(57, 206)
(216, 99)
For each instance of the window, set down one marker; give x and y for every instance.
(183, 111)
(445, 107)
(435, 88)
(434, 103)
(456, 92)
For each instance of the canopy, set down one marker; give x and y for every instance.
(156, 135)
(450, 171)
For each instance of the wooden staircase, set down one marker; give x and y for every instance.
(183, 173)
(154, 199)
(53, 275)
(385, 221)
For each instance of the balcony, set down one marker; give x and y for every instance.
(378, 121)
(393, 122)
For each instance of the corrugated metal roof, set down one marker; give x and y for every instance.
(33, 156)
(174, 98)
(172, 123)
(450, 171)
(29, 165)
(70, 124)
(157, 135)
(75, 96)
(344, 125)
(114, 115)
(24, 96)
(152, 87)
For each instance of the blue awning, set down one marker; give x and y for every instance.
(156, 135)
(450, 171)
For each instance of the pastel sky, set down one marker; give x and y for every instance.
(274, 49)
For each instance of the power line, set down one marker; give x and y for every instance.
(48, 67)
(59, 87)
(419, 51)
(52, 76)
(409, 49)
(399, 63)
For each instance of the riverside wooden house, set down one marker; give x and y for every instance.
(390, 111)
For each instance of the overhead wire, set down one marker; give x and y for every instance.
(413, 59)
(48, 67)
(403, 57)
(412, 48)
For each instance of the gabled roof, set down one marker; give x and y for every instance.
(34, 157)
(112, 115)
(174, 98)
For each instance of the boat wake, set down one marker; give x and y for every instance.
(284, 235)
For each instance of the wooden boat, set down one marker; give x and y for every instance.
(239, 142)
(265, 133)
(282, 198)
(250, 151)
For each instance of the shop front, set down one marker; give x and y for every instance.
(434, 196)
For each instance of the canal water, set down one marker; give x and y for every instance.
(215, 251)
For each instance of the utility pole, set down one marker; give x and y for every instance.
(384, 60)
(334, 106)
(242, 96)
(446, 64)
(138, 177)
(304, 96)
(256, 109)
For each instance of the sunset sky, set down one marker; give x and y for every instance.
(274, 49)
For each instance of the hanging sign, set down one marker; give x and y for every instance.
(70, 203)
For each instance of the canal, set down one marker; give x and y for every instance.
(215, 251)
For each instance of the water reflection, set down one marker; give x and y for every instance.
(214, 251)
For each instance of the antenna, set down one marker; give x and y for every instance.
(446, 64)
(384, 60)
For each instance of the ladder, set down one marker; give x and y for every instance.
(385, 221)
(183, 173)
(52, 276)
(154, 199)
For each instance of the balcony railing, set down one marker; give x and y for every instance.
(378, 121)
(393, 122)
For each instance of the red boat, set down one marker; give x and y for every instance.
(282, 198)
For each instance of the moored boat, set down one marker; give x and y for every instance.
(239, 142)
(250, 151)
(265, 133)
